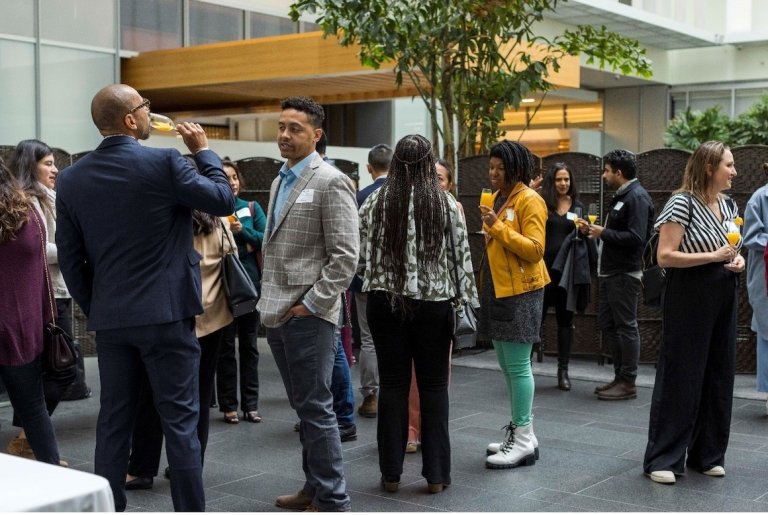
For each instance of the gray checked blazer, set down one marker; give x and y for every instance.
(311, 252)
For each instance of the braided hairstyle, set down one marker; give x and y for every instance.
(519, 163)
(411, 174)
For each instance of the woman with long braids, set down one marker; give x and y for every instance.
(513, 277)
(406, 232)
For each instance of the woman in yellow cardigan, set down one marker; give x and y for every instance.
(513, 277)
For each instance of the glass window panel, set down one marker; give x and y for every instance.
(308, 26)
(18, 18)
(268, 25)
(678, 103)
(68, 80)
(150, 24)
(702, 100)
(17, 91)
(85, 22)
(746, 98)
(211, 23)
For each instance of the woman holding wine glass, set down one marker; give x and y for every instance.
(693, 393)
(564, 209)
(513, 277)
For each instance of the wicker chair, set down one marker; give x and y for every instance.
(6, 151)
(349, 168)
(61, 158)
(749, 161)
(79, 155)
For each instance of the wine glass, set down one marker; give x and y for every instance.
(733, 233)
(578, 213)
(592, 210)
(160, 122)
(486, 197)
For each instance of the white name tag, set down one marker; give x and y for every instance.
(618, 205)
(243, 212)
(510, 214)
(305, 196)
(570, 216)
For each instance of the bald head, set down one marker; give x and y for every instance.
(110, 105)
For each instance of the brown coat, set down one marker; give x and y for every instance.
(216, 313)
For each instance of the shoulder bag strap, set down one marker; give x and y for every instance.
(453, 251)
(45, 265)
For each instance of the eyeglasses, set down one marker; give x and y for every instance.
(145, 103)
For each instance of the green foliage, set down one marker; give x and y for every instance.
(691, 128)
(469, 59)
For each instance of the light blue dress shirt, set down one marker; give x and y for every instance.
(288, 178)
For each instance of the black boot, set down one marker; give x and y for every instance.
(563, 382)
(564, 339)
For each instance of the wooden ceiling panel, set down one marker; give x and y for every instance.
(252, 75)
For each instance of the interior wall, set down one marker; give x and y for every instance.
(635, 118)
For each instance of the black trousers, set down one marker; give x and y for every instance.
(147, 441)
(56, 383)
(693, 392)
(421, 339)
(556, 296)
(246, 328)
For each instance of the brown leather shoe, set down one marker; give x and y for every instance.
(296, 502)
(370, 406)
(621, 391)
(606, 386)
(20, 447)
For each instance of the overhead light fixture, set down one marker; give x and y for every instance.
(528, 100)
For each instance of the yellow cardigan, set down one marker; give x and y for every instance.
(515, 243)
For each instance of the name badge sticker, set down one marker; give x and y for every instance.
(618, 206)
(305, 196)
(510, 214)
(570, 216)
(243, 212)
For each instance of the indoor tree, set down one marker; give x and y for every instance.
(469, 59)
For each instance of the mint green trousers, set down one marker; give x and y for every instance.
(515, 362)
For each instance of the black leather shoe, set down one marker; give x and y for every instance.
(563, 381)
(348, 433)
(139, 483)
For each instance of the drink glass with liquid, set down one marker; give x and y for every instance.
(160, 122)
(486, 197)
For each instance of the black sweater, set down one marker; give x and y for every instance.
(629, 225)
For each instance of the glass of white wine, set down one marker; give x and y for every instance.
(160, 122)
(592, 213)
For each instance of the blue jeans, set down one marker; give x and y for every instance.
(24, 384)
(341, 386)
(304, 349)
(617, 318)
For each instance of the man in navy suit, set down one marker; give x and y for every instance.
(124, 233)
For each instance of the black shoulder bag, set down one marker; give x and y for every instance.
(238, 287)
(464, 315)
(654, 277)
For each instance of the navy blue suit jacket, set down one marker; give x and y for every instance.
(124, 231)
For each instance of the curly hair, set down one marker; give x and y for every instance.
(412, 174)
(24, 166)
(548, 190)
(14, 205)
(313, 110)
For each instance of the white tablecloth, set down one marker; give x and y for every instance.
(28, 485)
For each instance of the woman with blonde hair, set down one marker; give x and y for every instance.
(693, 393)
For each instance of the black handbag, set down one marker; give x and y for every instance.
(238, 287)
(464, 314)
(58, 349)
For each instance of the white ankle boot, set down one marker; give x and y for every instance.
(493, 448)
(516, 451)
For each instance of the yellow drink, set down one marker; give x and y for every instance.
(592, 218)
(738, 221)
(733, 237)
(162, 123)
(486, 198)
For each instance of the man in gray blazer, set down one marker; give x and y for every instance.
(311, 246)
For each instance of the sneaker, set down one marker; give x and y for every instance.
(665, 477)
(411, 448)
(716, 471)
(621, 391)
(296, 502)
(370, 406)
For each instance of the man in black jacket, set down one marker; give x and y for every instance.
(628, 226)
